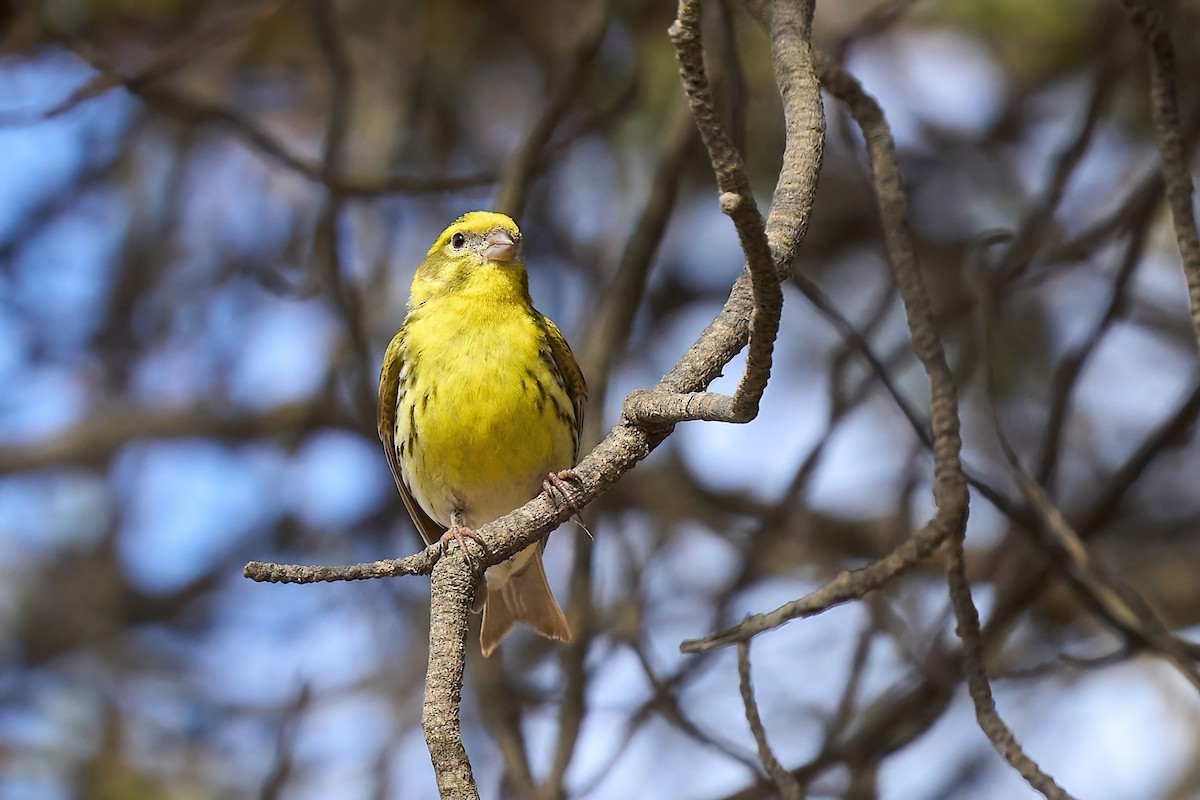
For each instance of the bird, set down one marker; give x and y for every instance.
(481, 407)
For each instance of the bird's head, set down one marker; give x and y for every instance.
(483, 236)
(478, 255)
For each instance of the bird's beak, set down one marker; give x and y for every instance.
(499, 246)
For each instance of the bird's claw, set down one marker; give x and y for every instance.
(556, 485)
(459, 533)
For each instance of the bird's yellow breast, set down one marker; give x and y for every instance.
(481, 407)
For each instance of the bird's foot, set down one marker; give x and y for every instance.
(459, 533)
(556, 485)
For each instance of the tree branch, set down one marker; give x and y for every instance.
(631, 440)
(1176, 170)
(97, 438)
(950, 486)
(148, 86)
(451, 591)
(521, 167)
(789, 787)
(737, 201)
(417, 564)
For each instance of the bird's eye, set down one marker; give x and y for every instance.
(457, 241)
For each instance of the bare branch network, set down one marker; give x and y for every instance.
(750, 319)
(1047, 539)
(1050, 544)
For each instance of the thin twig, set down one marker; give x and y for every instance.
(1117, 601)
(950, 491)
(789, 787)
(950, 486)
(1176, 165)
(737, 201)
(521, 167)
(190, 111)
(417, 564)
(327, 237)
(163, 63)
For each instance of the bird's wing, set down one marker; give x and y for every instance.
(568, 369)
(389, 396)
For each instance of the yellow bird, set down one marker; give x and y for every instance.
(480, 407)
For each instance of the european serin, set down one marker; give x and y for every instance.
(480, 399)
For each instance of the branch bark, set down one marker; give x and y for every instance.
(451, 589)
(1176, 170)
(737, 201)
(789, 787)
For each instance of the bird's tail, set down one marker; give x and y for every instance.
(524, 596)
